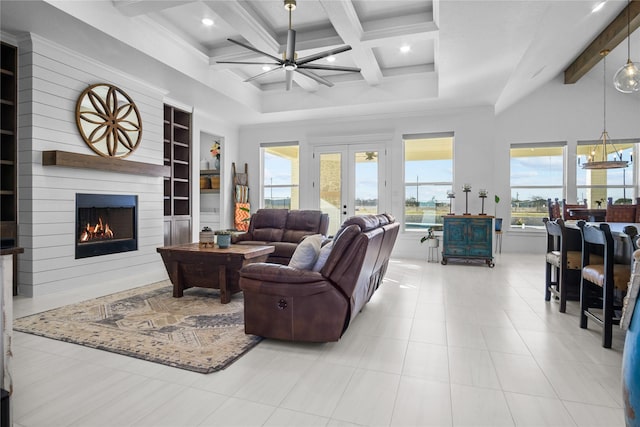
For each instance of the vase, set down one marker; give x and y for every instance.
(224, 240)
(216, 163)
(631, 371)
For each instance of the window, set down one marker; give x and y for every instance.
(536, 175)
(428, 175)
(280, 176)
(597, 185)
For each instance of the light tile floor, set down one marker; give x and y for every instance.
(461, 345)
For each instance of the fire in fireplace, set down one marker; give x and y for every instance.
(105, 224)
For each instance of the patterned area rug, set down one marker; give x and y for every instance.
(194, 332)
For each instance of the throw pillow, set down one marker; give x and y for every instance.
(322, 257)
(306, 253)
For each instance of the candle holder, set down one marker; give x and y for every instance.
(466, 188)
(451, 195)
(483, 195)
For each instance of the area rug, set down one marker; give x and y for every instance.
(195, 332)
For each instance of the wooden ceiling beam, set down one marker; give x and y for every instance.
(609, 38)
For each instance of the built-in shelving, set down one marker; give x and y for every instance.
(8, 145)
(8, 151)
(177, 185)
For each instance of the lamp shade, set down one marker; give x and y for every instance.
(627, 78)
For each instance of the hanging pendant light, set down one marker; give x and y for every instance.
(627, 78)
(603, 163)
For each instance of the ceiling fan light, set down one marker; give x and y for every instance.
(289, 66)
(207, 22)
(627, 78)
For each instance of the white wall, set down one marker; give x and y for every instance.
(50, 80)
(559, 112)
(472, 127)
(556, 112)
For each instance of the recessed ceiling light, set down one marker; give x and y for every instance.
(406, 48)
(207, 21)
(331, 58)
(266, 68)
(598, 6)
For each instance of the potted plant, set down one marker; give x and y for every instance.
(430, 238)
(224, 238)
(498, 225)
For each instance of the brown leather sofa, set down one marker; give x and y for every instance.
(283, 229)
(285, 303)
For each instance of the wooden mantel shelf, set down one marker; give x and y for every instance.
(87, 161)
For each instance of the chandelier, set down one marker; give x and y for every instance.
(627, 78)
(603, 163)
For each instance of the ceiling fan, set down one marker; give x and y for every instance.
(289, 62)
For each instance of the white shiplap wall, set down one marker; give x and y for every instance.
(50, 80)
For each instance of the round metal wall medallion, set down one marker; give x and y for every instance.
(108, 120)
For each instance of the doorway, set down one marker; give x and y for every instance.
(350, 181)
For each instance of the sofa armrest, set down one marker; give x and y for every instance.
(240, 237)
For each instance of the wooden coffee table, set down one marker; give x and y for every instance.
(192, 266)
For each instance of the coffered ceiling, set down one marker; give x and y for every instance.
(462, 52)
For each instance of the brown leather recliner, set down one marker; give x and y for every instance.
(283, 229)
(285, 303)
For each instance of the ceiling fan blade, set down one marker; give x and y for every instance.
(289, 79)
(248, 46)
(323, 54)
(291, 45)
(245, 62)
(329, 67)
(262, 74)
(314, 76)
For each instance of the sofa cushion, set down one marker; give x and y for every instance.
(306, 253)
(268, 224)
(301, 223)
(325, 251)
(268, 234)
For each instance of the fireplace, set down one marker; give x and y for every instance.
(106, 224)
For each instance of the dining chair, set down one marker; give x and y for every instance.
(621, 213)
(554, 209)
(603, 284)
(563, 262)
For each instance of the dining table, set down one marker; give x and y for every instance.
(594, 215)
(623, 244)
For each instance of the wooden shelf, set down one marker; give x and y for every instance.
(88, 161)
(209, 191)
(209, 172)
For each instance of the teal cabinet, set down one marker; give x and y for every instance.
(468, 237)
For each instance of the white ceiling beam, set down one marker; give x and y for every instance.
(345, 20)
(387, 36)
(247, 23)
(142, 7)
(255, 31)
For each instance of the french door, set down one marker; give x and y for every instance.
(349, 181)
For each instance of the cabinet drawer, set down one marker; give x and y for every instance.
(483, 251)
(455, 250)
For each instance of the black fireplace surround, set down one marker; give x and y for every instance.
(106, 224)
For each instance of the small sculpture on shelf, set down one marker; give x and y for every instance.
(451, 195)
(215, 153)
(483, 195)
(466, 189)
